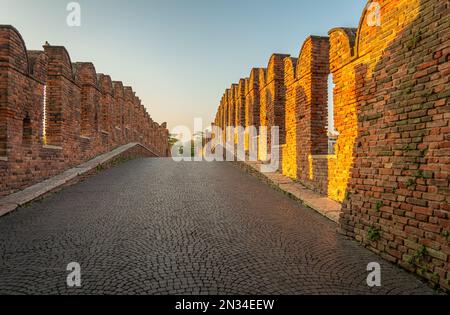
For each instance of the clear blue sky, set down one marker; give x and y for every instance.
(179, 55)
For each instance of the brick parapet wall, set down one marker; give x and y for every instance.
(85, 114)
(391, 109)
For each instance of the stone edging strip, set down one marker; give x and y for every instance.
(319, 203)
(18, 199)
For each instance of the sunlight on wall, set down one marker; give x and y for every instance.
(371, 48)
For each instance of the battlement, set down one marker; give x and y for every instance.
(55, 114)
(390, 165)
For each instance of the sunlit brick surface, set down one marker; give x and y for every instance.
(391, 109)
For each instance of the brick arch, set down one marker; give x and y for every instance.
(246, 104)
(62, 106)
(106, 105)
(342, 46)
(60, 63)
(128, 93)
(240, 103)
(272, 100)
(363, 32)
(87, 73)
(137, 110)
(90, 97)
(232, 103)
(224, 112)
(306, 112)
(290, 69)
(289, 152)
(275, 67)
(305, 59)
(119, 107)
(105, 83)
(230, 112)
(13, 51)
(119, 91)
(252, 100)
(368, 37)
(129, 98)
(13, 55)
(262, 76)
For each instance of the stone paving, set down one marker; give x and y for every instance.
(320, 203)
(153, 226)
(14, 201)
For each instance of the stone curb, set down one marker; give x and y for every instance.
(18, 199)
(319, 203)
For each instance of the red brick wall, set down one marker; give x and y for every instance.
(306, 115)
(240, 103)
(252, 99)
(399, 183)
(79, 105)
(391, 108)
(232, 105)
(272, 97)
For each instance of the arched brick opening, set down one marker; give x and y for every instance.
(89, 97)
(60, 84)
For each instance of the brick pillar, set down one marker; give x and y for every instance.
(119, 106)
(129, 96)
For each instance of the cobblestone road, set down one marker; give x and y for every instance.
(152, 226)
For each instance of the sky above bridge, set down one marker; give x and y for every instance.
(179, 55)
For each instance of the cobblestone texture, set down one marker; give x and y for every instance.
(152, 226)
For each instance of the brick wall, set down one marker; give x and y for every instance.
(272, 97)
(391, 109)
(399, 180)
(55, 114)
(307, 114)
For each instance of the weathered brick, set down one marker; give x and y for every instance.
(390, 98)
(55, 114)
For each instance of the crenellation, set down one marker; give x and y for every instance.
(389, 167)
(55, 114)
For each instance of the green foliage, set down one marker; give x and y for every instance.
(373, 234)
(407, 148)
(422, 271)
(446, 234)
(378, 206)
(419, 174)
(416, 38)
(418, 256)
(100, 168)
(410, 182)
(435, 277)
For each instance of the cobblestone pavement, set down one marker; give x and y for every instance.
(153, 226)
